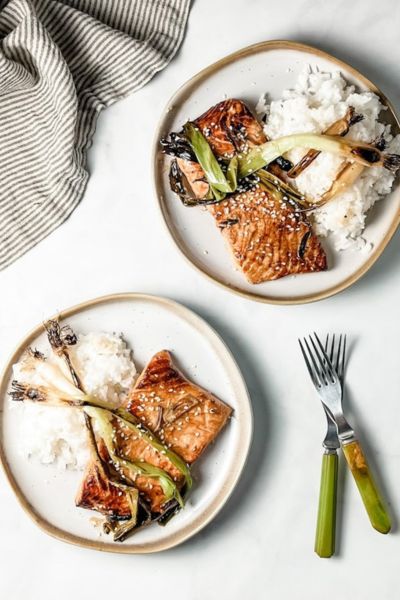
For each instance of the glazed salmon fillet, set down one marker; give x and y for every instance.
(268, 237)
(183, 415)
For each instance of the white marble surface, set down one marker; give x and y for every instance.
(261, 545)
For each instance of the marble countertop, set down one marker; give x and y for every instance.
(261, 544)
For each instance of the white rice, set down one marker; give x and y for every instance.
(104, 363)
(316, 101)
(57, 435)
(53, 435)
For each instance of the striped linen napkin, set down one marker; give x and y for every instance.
(61, 63)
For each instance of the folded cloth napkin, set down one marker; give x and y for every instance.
(61, 63)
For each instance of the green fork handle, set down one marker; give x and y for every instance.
(370, 494)
(326, 521)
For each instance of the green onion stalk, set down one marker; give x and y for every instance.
(103, 420)
(56, 383)
(365, 154)
(223, 182)
(48, 382)
(129, 421)
(220, 183)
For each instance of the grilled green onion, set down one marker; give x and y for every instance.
(345, 178)
(50, 383)
(270, 180)
(120, 529)
(129, 421)
(60, 339)
(365, 154)
(103, 419)
(221, 183)
(340, 127)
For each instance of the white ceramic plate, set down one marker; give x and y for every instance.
(272, 67)
(148, 324)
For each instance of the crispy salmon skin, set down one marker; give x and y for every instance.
(98, 492)
(183, 415)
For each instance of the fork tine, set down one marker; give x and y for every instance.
(332, 348)
(317, 368)
(328, 369)
(326, 347)
(337, 364)
(343, 361)
(323, 361)
(314, 379)
(322, 365)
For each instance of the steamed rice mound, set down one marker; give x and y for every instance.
(316, 101)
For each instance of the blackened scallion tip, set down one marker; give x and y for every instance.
(59, 337)
(380, 143)
(17, 392)
(36, 354)
(369, 154)
(391, 162)
(355, 118)
(68, 336)
(20, 392)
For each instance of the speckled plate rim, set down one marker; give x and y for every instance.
(183, 93)
(245, 425)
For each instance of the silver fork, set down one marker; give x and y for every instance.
(329, 388)
(331, 442)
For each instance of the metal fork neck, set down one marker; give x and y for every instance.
(345, 432)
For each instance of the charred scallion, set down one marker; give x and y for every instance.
(45, 381)
(270, 180)
(340, 127)
(102, 419)
(221, 182)
(345, 178)
(60, 340)
(138, 429)
(176, 144)
(365, 154)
